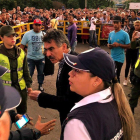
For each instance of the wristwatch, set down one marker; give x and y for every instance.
(36, 134)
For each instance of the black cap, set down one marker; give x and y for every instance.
(9, 98)
(7, 30)
(117, 19)
(37, 10)
(97, 61)
(3, 70)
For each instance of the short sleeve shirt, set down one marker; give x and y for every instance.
(121, 37)
(35, 45)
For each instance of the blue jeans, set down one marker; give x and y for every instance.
(92, 37)
(40, 67)
(73, 46)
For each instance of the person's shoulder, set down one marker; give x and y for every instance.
(123, 32)
(112, 32)
(73, 52)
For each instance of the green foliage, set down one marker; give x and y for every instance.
(100, 3)
(73, 4)
(9, 4)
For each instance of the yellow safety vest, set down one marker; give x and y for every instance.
(138, 61)
(6, 78)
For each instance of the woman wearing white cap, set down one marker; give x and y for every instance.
(104, 112)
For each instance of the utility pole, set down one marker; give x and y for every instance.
(85, 3)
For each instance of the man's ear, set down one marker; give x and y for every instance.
(64, 47)
(1, 38)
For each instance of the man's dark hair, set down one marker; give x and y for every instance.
(53, 15)
(71, 15)
(56, 35)
(133, 11)
(3, 8)
(117, 18)
(24, 14)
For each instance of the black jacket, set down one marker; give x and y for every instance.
(23, 133)
(64, 99)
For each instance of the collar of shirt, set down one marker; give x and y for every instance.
(96, 97)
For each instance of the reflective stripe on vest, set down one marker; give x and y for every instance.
(10, 82)
(19, 69)
(4, 61)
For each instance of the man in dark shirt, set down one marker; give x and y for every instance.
(55, 44)
(37, 15)
(3, 20)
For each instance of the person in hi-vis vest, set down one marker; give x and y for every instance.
(135, 71)
(14, 59)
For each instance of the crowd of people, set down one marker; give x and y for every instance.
(88, 84)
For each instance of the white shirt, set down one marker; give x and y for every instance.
(75, 129)
(92, 26)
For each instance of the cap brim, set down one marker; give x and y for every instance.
(3, 70)
(13, 98)
(74, 62)
(11, 33)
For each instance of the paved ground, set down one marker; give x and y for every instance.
(49, 85)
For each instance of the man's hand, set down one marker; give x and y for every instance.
(29, 90)
(34, 94)
(115, 44)
(134, 36)
(109, 46)
(44, 128)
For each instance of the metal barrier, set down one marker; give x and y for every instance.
(23, 28)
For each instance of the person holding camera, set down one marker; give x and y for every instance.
(135, 72)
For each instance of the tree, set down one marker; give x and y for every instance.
(73, 4)
(99, 3)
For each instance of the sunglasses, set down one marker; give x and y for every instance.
(37, 24)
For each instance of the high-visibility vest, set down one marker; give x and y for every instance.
(6, 78)
(138, 61)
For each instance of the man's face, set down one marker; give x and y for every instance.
(24, 16)
(9, 40)
(116, 25)
(132, 14)
(3, 16)
(137, 26)
(95, 15)
(104, 15)
(18, 8)
(53, 52)
(4, 126)
(7, 16)
(37, 13)
(37, 27)
(4, 10)
(70, 18)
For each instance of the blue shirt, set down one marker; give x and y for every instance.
(35, 44)
(121, 37)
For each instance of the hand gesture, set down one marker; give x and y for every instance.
(34, 94)
(44, 128)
